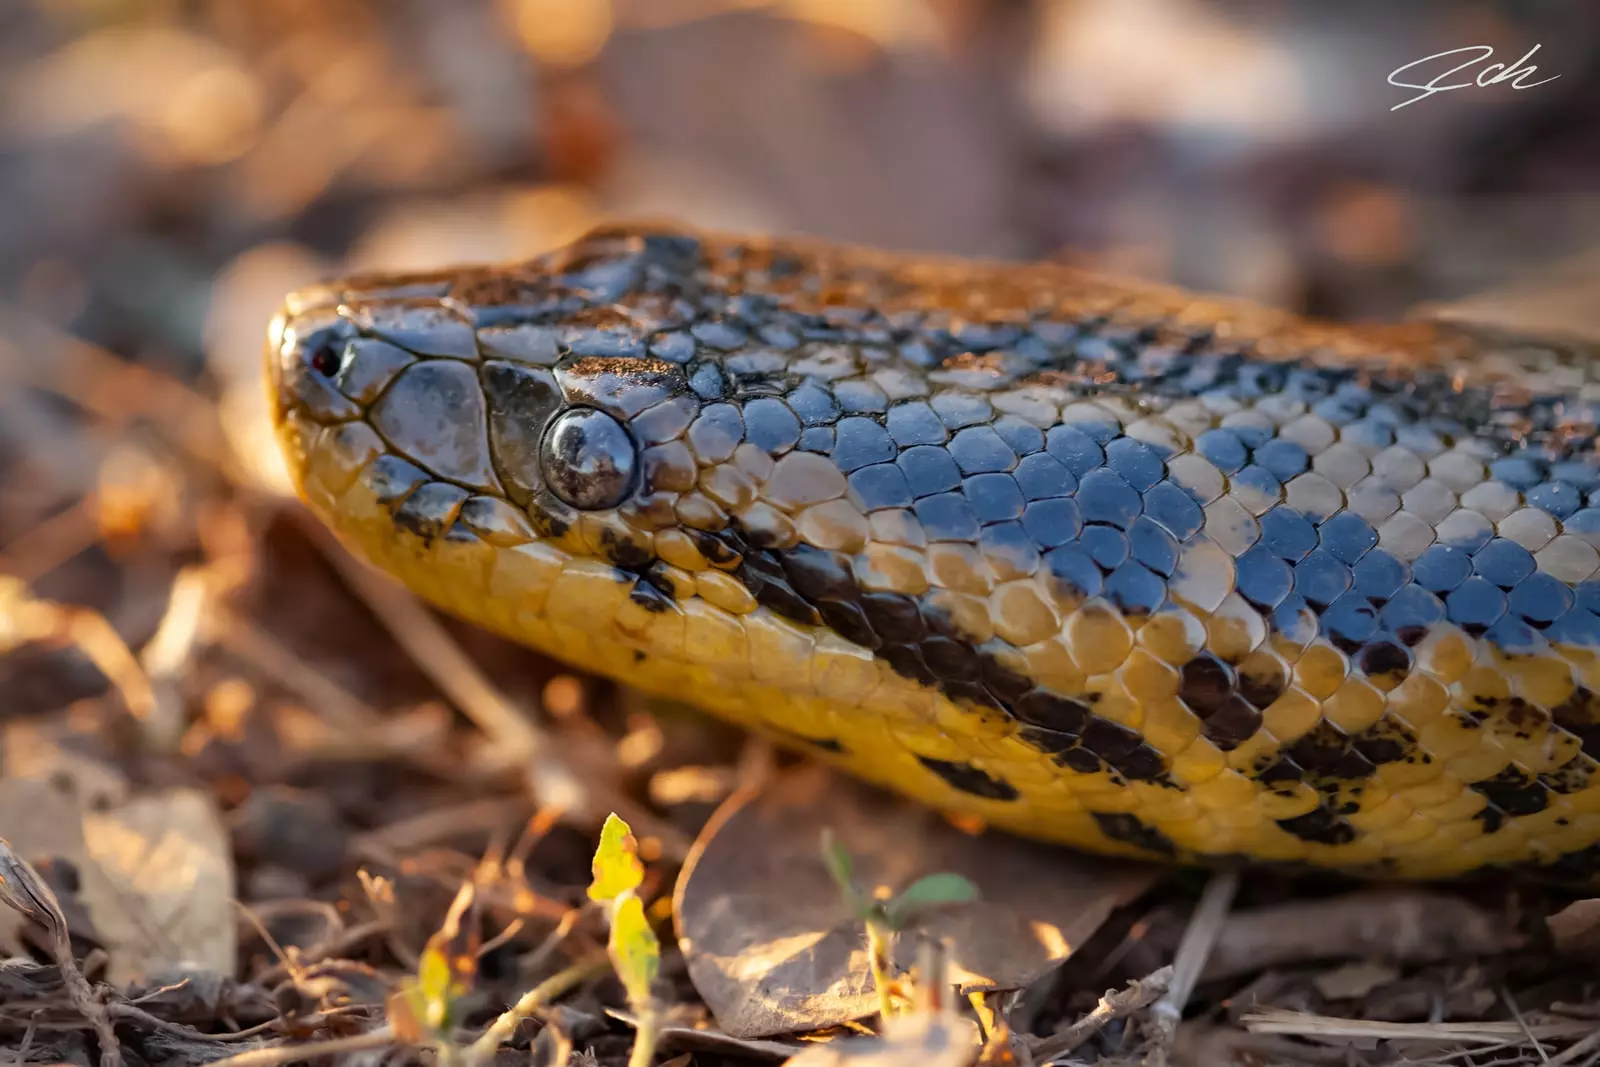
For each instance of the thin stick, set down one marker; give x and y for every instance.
(170, 652)
(438, 655)
(343, 709)
(27, 1040)
(483, 1049)
(1115, 1004)
(26, 892)
(1516, 1013)
(42, 548)
(1584, 1047)
(279, 1055)
(23, 617)
(1482, 1033)
(114, 389)
(1198, 940)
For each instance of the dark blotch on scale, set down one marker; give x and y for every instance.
(1212, 691)
(1329, 757)
(393, 479)
(1320, 826)
(1579, 715)
(1385, 741)
(923, 642)
(970, 779)
(431, 510)
(650, 596)
(1130, 830)
(1513, 792)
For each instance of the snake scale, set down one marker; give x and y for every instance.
(1097, 562)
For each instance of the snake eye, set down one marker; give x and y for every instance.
(588, 459)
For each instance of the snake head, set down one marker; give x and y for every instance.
(485, 434)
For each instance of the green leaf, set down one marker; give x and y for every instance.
(935, 889)
(635, 952)
(839, 865)
(616, 866)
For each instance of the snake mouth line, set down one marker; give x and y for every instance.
(1115, 567)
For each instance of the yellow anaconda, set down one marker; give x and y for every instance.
(1101, 563)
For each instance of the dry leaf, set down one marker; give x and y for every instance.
(1354, 980)
(155, 874)
(773, 949)
(1576, 927)
(166, 873)
(53, 829)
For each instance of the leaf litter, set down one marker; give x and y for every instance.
(772, 945)
(252, 793)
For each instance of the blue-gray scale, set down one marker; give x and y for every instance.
(1327, 568)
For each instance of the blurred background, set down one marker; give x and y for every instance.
(168, 165)
(169, 168)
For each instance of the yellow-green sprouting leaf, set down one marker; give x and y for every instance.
(436, 988)
(635, 952)
(616, 866)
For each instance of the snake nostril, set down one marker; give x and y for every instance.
(324, 358)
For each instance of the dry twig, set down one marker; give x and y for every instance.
(1115, 1004)
(25, 618)
(1399, 925)
(1301, 1024)
(281, 1055)
(1205, 926)
(23, 890)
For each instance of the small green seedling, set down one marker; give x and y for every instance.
(635, 952)
(884, 918)
(616, 866)
(446, 972)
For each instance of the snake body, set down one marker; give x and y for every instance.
(1096, 562)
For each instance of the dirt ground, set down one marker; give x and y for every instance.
(256, 799)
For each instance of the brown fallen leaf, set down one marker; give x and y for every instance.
(53, 829)
(1354, 980)
(155, 874)
(1576, 927)
(773, 949)
(167, 861)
